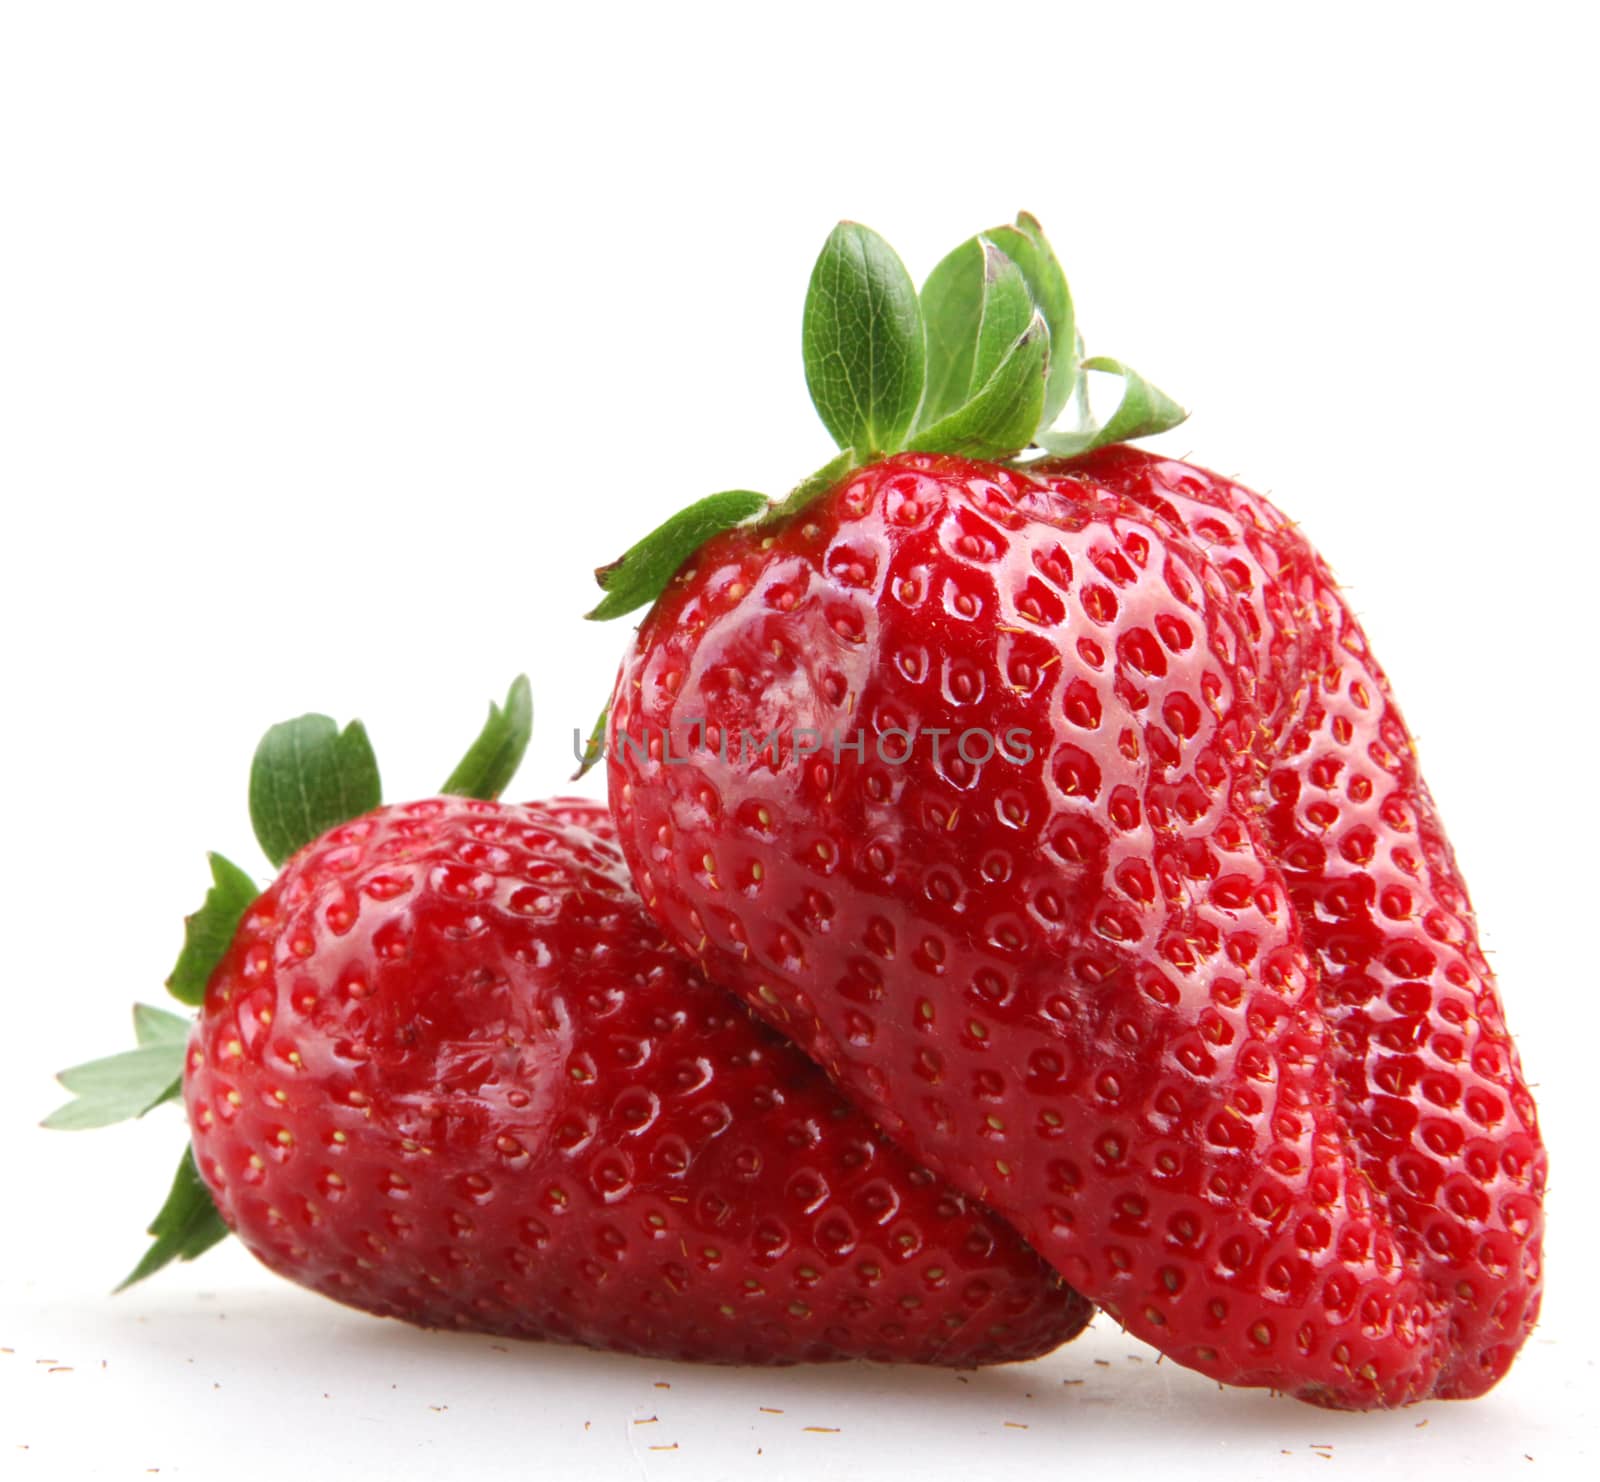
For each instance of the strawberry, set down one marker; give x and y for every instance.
(1058, 809)
(1409, 998)
(446, 1069)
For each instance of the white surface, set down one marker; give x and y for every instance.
(223, 1365)
(338, 343)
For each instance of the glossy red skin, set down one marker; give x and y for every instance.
(1418, 1035)
(450, 1072)
(1134, 994)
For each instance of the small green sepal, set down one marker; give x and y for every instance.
(862, 338)
(998, 421)
(153, 1026)
(187, 1226)
(975, 306)
(308, 777)
(595, 747)
(1143, 411)
(120, 1087)
(641, 573)
(1026, 245)
(208, 933)
(492, 760)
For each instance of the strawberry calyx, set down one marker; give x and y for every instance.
(982, 363)
(307, 777)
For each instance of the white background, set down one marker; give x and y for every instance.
(339, 343)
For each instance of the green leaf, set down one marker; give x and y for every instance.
(1142, 412)
(1080, 392)
(1026, 245)
(862, 338)
(595, 747)
(187, 1226)
(640, 574)
(975, 305)
(492, 760)
(1000, 420)
(208, 933)
(119, 1087)
(308, 777)
(153, 1026)
(952, 311)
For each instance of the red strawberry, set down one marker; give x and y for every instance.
(1108, 885)
(448, 1070)
(1417, 1033)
